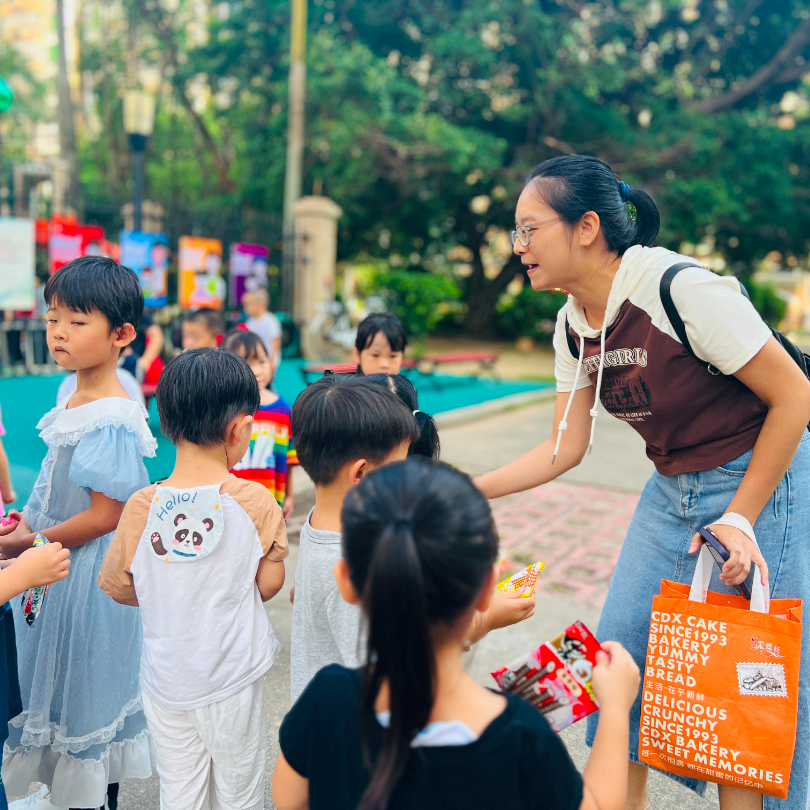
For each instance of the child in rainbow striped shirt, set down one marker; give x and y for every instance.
(271, 453)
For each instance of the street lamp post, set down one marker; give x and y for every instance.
(295, 147)
(139, 122)
(6, 97)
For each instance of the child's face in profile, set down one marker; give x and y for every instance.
(196, 336)
(262, 366)
(378, 357)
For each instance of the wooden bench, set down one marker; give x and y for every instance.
(430, 362)
(425, 365)
(312, 371)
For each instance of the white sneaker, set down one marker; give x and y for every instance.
(36, 801)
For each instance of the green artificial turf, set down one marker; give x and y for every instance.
(24, 400)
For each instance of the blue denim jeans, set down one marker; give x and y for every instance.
(671, 510)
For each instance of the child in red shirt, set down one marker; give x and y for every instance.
(271, 453)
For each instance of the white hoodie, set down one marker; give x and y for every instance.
(645, 376)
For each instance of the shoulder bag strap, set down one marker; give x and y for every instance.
(572, 344)
(665, 291)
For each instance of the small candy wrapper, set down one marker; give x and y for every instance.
(556, 677)
(527, 578)
(33, 598)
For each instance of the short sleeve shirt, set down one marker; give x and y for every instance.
(518, 761)
(690, 419)
(190, 557)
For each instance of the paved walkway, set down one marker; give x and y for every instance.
(575, 525)
(576, 530)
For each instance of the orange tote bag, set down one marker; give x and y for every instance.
(721, 682)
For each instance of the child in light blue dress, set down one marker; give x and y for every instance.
(82, 727)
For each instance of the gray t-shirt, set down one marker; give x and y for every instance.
(325, 629)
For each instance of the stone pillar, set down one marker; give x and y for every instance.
(315, 258)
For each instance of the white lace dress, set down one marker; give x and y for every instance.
(83, 724)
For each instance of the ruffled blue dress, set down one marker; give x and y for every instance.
(82, 725)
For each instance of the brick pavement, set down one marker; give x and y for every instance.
(576, 530)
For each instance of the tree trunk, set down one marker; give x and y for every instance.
(483, 297)
(67, 129)
(480, 321)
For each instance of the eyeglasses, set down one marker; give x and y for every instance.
(523, 232)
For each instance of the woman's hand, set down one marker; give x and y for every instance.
(742, 552)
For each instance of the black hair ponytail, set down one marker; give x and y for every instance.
(646, 219)
(419, 542)
(574, 184)
(428, 443)
(395, 598)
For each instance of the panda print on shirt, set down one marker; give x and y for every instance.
(185, 524)
(188, 538)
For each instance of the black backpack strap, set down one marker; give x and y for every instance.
(572, 344)
(665, 291)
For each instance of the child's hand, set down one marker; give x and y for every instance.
(10, 522)
(42, 565)
(13, 543)
(10, 496)
(292, 594)
(506, 608)
(615, 677)
(289, 507)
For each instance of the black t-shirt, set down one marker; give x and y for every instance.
(518, 761)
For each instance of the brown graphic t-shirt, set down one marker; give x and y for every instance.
(690, 419)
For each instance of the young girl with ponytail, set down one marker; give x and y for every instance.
(410, 728)
(428, 442)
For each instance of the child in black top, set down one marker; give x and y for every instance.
(419, 548)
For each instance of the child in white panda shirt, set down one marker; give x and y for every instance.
(199, 553)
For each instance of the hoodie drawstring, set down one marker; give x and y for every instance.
(594, 412)
(563, 426)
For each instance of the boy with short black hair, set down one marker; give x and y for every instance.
(343, 427)
(203, 329)
(207, 642)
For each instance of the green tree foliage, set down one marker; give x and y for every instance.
(419, 300)
(424, 116)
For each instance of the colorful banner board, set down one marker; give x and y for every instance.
(200, 281)
(148, 255)
(17, 263)
(68, 241)
(248, 269)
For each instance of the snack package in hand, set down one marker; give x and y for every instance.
(527, 578)
(556, 677)
(33, 598)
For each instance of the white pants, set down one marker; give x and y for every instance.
(212, 758)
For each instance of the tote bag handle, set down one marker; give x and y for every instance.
(760, 598)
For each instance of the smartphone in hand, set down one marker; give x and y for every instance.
(721, 555)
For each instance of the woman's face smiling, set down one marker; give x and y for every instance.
(547, 257)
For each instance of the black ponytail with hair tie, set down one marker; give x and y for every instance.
(572, 185)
